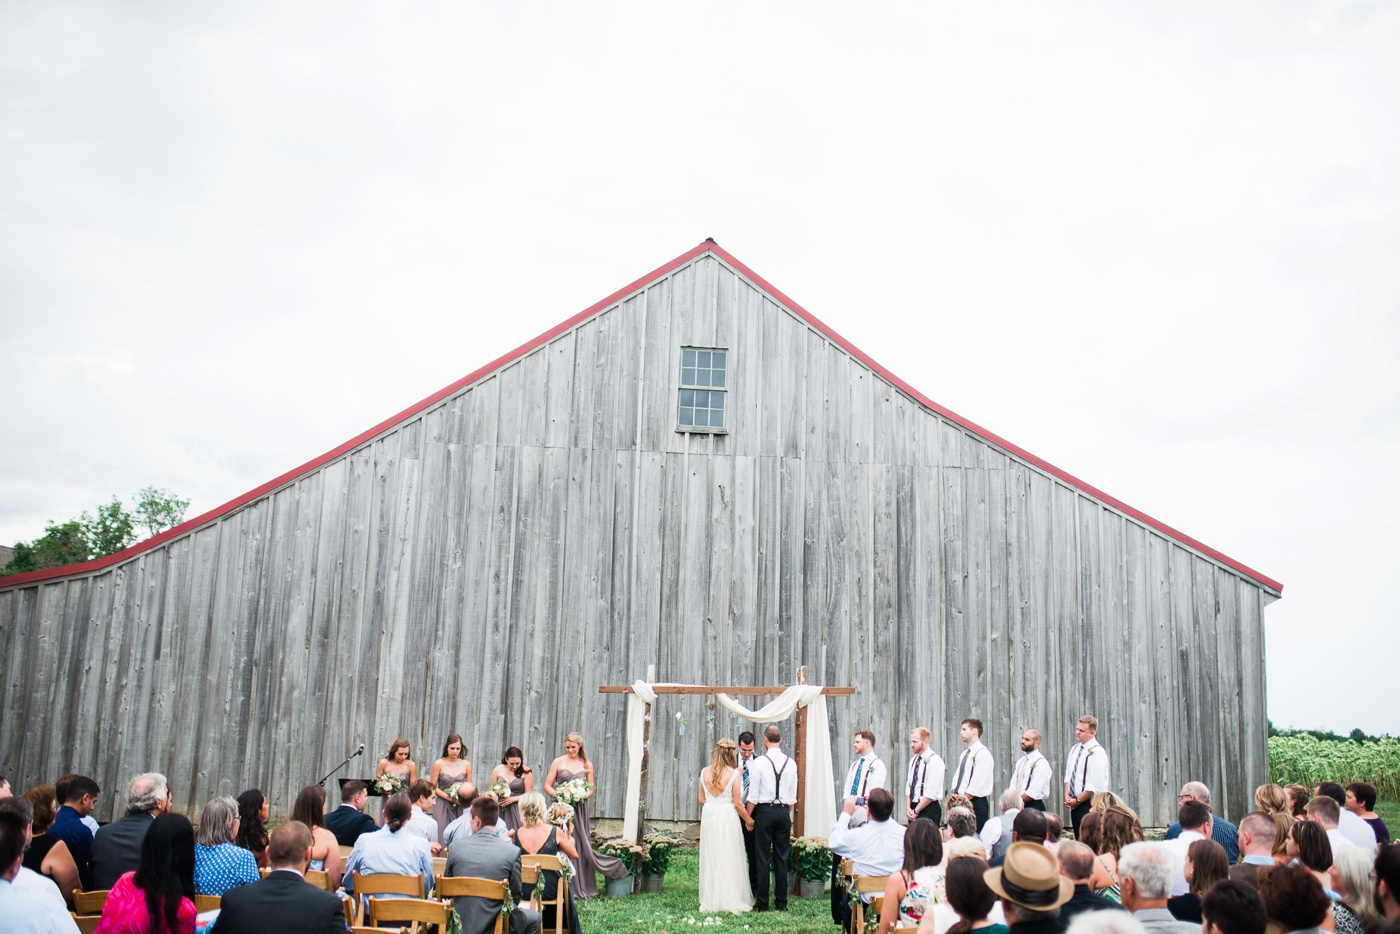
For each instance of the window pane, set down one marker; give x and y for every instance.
(687, 358)
(702, 377)
(702, 418)
(688, 398)
(687, 416)
(702, 359)
(717, 359)
(702, 399)
(716, 377)
(717, 401)
(687, 377)
(716, 419)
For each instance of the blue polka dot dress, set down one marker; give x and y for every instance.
(220, 868)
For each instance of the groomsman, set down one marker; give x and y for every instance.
(746, 761)
(974, 775)
(867, 773)
(1031, 780)
(925, 787)
(773, 792)
(1086, 770)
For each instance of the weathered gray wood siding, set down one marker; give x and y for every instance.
(485, 565)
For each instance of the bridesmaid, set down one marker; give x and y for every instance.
(574, 764)
(514, 772)
(448, 771)
(398, 761)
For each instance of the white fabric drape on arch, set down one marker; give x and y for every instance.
(820, 804)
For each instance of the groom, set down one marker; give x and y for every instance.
(772, 793)
(747, 760)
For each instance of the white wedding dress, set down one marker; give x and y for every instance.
(724, 872)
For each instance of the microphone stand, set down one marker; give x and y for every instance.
(343, 764)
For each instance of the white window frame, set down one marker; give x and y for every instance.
(695, 386)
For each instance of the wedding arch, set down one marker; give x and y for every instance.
(811, 742)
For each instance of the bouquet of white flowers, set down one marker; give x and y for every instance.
(560, 813)
(500, 789)
(388, 783)
(573, 791)
(451, 793)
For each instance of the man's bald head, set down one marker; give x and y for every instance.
(1076, 861)
(289, 846)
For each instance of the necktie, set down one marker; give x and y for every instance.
(1078, 756)
(746, 779)
(962, 764)
(914, 778)
(855, 783)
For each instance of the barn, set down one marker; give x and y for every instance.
(694, 474)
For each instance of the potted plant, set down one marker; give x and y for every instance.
(633, 855)
(811, 862)
(658, 860)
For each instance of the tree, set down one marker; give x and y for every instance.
(159, 510)
(58, 546)
(111, 531)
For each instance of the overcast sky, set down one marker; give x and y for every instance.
(1158, 247)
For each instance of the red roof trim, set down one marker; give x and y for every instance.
(500, 362)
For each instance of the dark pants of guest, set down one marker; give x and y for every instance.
(982, 809)
(1035, 804)
(772, 842)
(933, 812)
(1077, 813)
(751, 854)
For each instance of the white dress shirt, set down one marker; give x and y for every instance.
(461, 828)
(744, 769)
(992, 831)
(26, 912)
(1086, 768)
(762, 773)
(875, 848)
(421, 823)
(872, 774)
(926, 771)
(1032, 776)
(1357, 831)
(973, 776)
(1178, 847)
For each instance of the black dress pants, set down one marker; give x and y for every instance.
(772, 843)
(933, 812)
(982, 808)
(1077, 814)
(751, 854)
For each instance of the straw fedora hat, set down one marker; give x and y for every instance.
(1030, 877)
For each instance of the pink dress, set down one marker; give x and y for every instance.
(125, 910)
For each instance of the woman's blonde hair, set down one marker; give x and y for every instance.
(1271, 799)
(1105, 801)
(724, 758)
(577, 737)
(532, 809)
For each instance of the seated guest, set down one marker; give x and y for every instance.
(1354, 829)
(25, 879)
(1205, 867)
(1077, 865)
(1028, 827)
(282, 902)
(392, 848)
(537, 836)
(422, 823)
(24, 910)
(1308, 845)
(918, 882)
(1193, 823)
(349, 820)
(1221, 831)
(219, 863)
(461, 827)
(1233, 908)
(1361, 801)
(1353, 905)
(962, 822)
(252, 829)
(1298, 798)
(996, 832)
(1271, 799)
(484, 855)
(876, 847)
(1054, 830)
(1119, 828)
(116, 849)
(968, 904)
(1256, 846)
(1387, 870)
(159, 894)
(1031, 889)
(1145, 872)
(48, 855)
(1322, 813)
(77, 796)
(325, 851)
(1293, 898)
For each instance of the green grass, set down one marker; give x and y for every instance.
(1388, 810)
(677, 908)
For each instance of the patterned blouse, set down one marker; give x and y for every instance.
(220, 868)
(926, 886)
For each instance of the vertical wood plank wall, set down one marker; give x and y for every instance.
(484, 566)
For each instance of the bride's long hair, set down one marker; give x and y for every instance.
(724, 758)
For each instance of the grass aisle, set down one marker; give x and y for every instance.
(677, 908)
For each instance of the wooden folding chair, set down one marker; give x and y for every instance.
(90, 903)
(534, 864)
(469, 887)
(345, 852)
(414, 910)
(207, 902)
(86, 923)
(439, 865)
(383, 883)
(865, 885)
(319, 878)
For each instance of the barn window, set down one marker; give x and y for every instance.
(704, 384)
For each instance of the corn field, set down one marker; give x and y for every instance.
(1306, 761)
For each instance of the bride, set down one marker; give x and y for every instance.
(724, 874)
